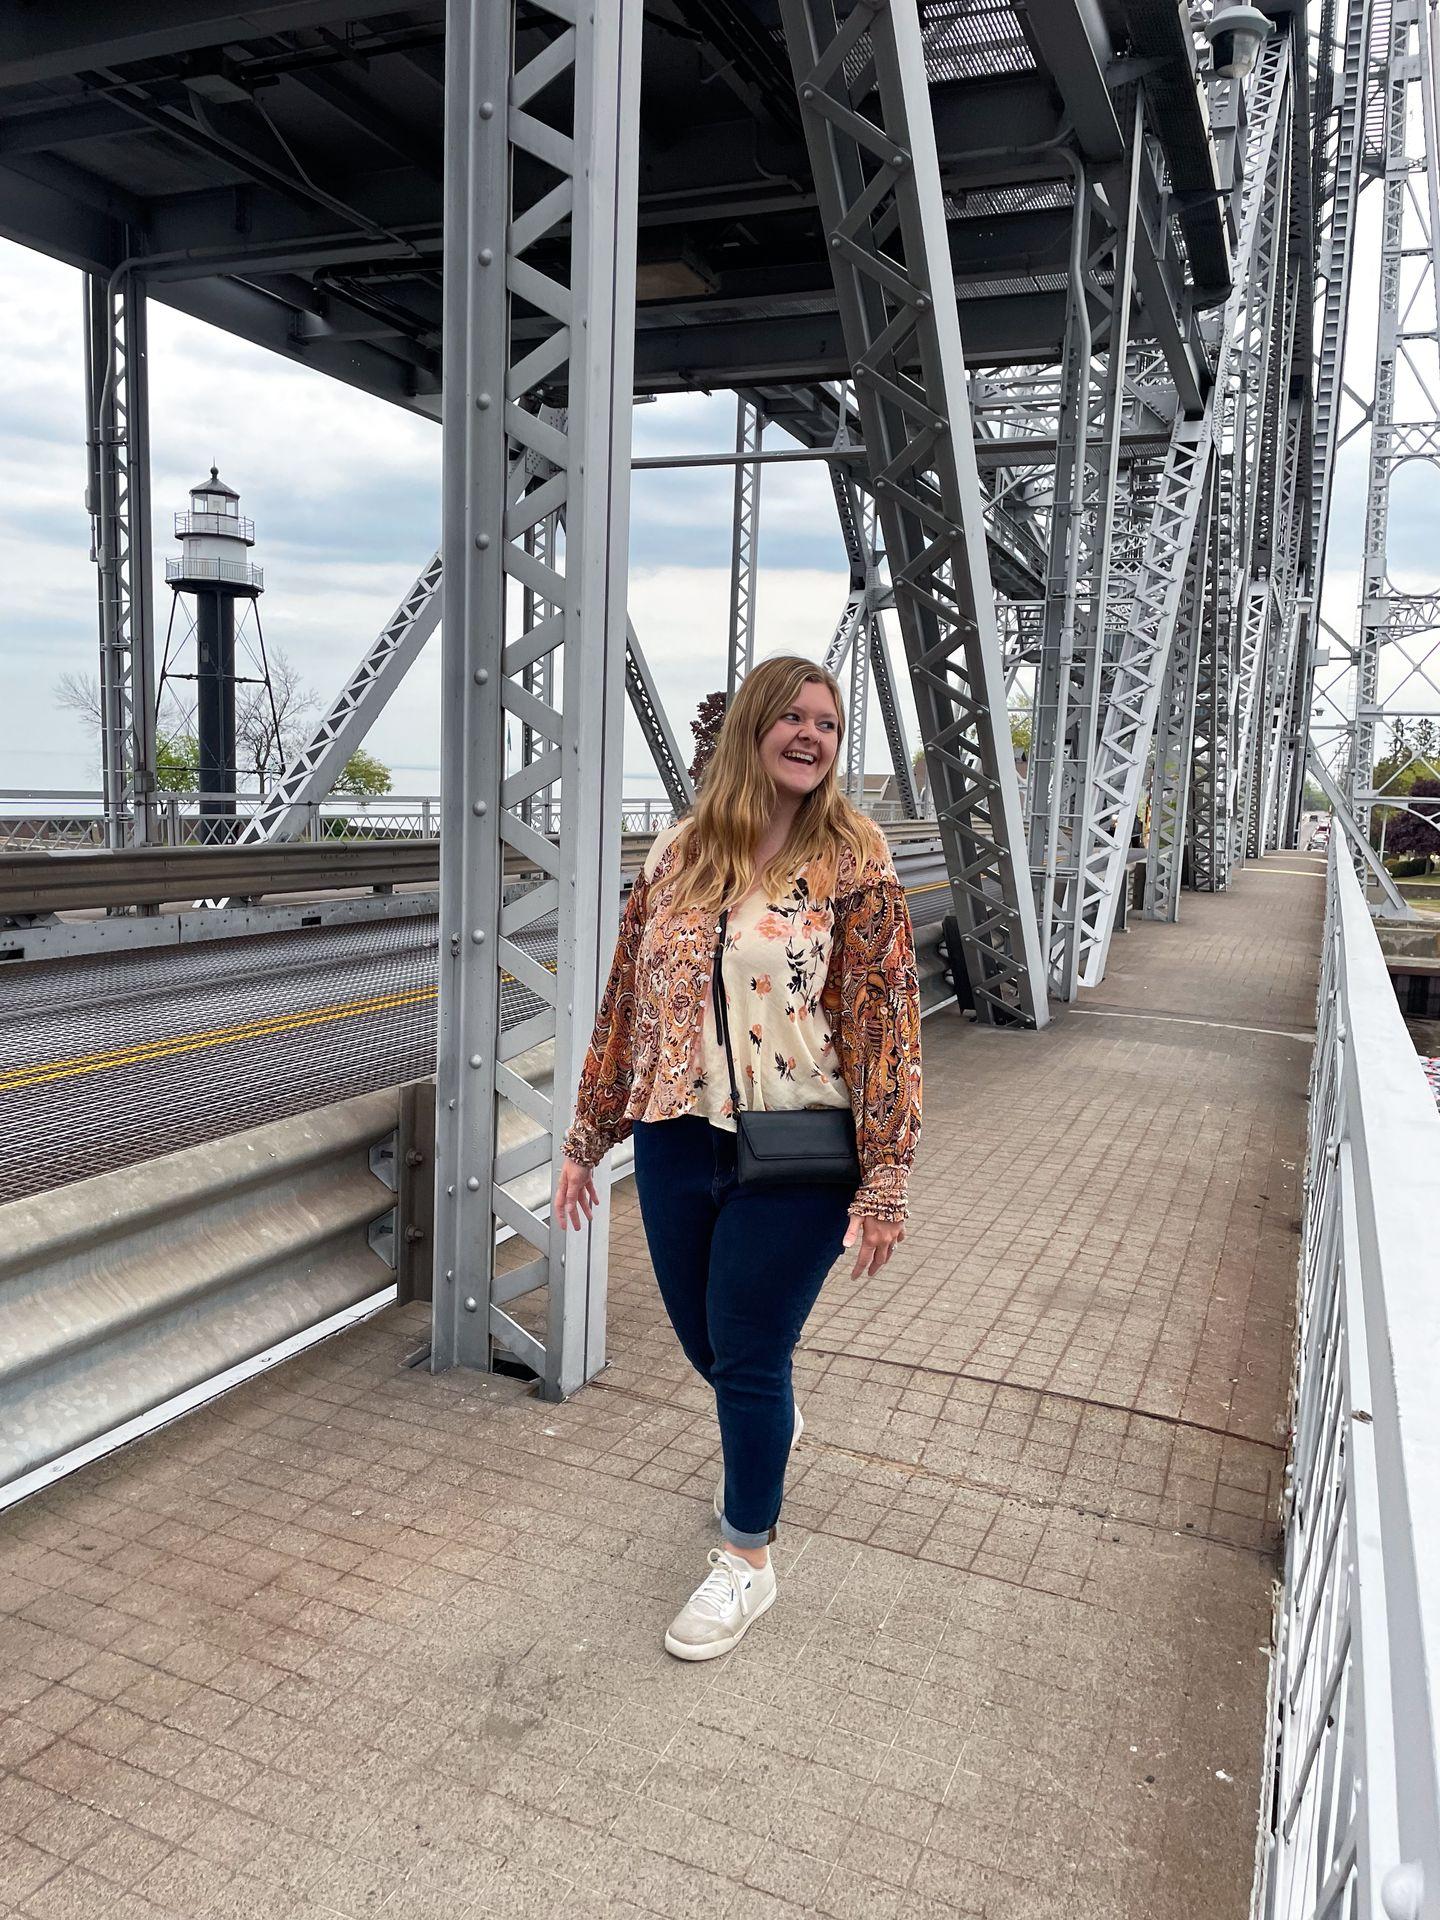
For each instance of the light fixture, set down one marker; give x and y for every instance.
(1236, 35)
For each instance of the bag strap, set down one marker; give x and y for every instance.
(722, 1019)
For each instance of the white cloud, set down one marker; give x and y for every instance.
(344, 493)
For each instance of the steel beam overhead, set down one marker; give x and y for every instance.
(524, 156)
(877, 182)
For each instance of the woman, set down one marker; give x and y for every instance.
(823, 1002)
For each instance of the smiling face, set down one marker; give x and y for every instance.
(802, 744)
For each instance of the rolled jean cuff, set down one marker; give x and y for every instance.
(739, 1539)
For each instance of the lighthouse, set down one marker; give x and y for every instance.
(215, 567)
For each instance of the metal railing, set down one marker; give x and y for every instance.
(239, 573)
(1351, 1810)
(229, 526)
(75, 818)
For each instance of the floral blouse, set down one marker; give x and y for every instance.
(822, 996)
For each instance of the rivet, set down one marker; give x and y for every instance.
(899, 159)
(482, 401)
(449, 1190)
(487, 109)
(922, 302)
(477, 806)
(449, 1273)
(473, 1183)
(476, 1061)
(482, 541)
(451, 1105)
(470, 1303)
(939, 426)
(478, 935)
(485, 256)
(482, 675)
(835, 241)
(807, 93)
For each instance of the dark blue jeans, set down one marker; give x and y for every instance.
(739, 1272)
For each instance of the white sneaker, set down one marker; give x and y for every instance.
(720, 1611)
(719, 1501)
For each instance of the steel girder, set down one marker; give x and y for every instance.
(866, 111)
(744, 544)
(1397, 676)
(118, 436)
(585, 151)
(311, 776)
(1129, 715)
(1065, 712)
(291, 802)
(861, 638)
(1340, 142)
(1175, 737)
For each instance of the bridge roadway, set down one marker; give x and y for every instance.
(357, 1639)
(104, 1062)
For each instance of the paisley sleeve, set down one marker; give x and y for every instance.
(874, 991)
(600, 1099)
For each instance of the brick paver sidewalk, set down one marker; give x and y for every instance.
(359, 1639)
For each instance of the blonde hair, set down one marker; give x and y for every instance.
(715, 847)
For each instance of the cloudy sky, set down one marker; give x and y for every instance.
(344, 491)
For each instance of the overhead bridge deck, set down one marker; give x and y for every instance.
(358, 1638)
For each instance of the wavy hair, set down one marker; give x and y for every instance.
(716, 844)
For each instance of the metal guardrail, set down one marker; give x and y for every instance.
(43, 883)
(122, 1294)
(43, 820)
(1351, 1811)
(34, 884)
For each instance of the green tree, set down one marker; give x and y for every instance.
(1417, 831)
(363, 777)
(1022, 727)
(177, 763)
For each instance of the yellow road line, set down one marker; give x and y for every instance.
(167, 1047)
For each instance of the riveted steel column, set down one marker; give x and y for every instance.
(534, 78)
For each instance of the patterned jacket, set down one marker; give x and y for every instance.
(655, 1001)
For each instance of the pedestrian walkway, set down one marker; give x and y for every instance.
(360, 1640)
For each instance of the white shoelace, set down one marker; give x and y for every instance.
(720, 1589)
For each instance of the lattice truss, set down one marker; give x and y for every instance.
(1078, 608)
(119, 468)
(1237, 416)
(1375, 724)
(865, 106)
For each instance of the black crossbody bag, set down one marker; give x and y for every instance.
(814, 1146)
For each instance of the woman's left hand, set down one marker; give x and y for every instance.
(878, 1240)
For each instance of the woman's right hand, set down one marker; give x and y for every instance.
(575, 1194)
